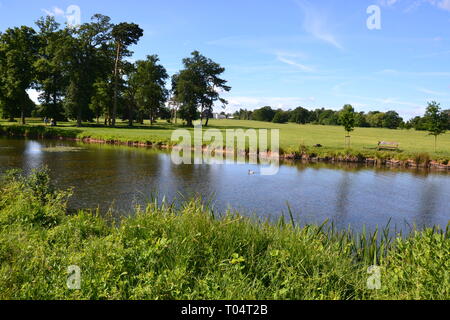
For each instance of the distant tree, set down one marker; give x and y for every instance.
(18, 51)
(210, 81)
(243, 114)
(360, 120)
(101, 101)
(281, 117)
(327, 117)
(391, 120)
(124, 35)
(264, 114)
(85, 54)
(165, 114)
(129, 89)
(150, 80)
(300, 116)
(198, 86)
(187, 90)
(436, 121)
(375, 119)
(418, 123)
(51, 76)
(347, 119)
(447, 112)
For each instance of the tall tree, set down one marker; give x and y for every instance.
(204, 88)
(187, 90)
(129, 93)
(51, 78)
(18, 51)
(150, 80)
(86, 56)
(436, 121)
(124, 35)
(211, 82)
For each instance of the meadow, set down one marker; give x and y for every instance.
(294, 138)
(173, 252)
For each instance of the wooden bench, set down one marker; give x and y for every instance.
(388, 145)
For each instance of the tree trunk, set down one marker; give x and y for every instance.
(152, 118)
(207, 121)
(22, 115)
(79, 118)
(116, 84)
(130, 116)
(175, 116)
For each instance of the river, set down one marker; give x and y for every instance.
(104, 176)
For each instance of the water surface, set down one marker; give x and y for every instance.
(106, 176)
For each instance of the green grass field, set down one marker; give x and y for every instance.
(165, 252)
(332, 138)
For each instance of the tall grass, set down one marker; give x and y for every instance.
(171, 252)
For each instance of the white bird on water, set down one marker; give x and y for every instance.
(250, 172)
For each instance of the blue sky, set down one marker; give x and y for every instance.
(290, 53)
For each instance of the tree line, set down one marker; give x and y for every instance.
(84, 73)
(372, 119)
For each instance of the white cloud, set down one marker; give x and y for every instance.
(387, 3)
(300, 66)
(315, 23)
(34, 95)
(441, 4)
(432, 92)
(414, 74)
(55, 12)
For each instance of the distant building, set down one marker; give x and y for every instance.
(218, 116)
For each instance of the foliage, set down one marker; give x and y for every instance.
(18, 51)
(281, 117)
(51, 78)
(197, 87)
(436, 120)
(347, 118)
(149, 84)
(264, 114)
(86, 51)
(124, 35)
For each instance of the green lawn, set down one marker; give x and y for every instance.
(291, 136)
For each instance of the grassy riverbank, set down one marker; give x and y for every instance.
(187, 253)
(295, 140)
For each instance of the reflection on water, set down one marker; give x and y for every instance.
(346, 194)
